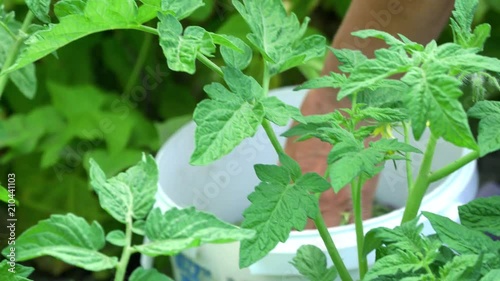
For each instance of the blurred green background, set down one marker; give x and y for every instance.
(110, 96)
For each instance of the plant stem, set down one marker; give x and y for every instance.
(210, 64)
(356, 186)
(266, 79)
(146, 28)
(121, 268)
(12, 55)
(330, 246)
(420, 187)
(452, 167)
(272, 137)
(409, 172)
(139, 64)
(7, 29)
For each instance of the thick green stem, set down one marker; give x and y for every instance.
(409, 172)
(356, 187)
(12, 55)
(210, 64)
(422, 184)
(266, 79)
(330, 246)
(139, 64)
(272, 137)
(121, 268)
(452, 167)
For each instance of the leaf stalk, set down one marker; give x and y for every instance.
(12, 55)
(330, 246)
(409, 172)
(356, 187)
(421, 184)
(121, 268)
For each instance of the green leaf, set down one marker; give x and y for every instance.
(464, 13)
(138, 227)
(278, 206)
(277, 35)
(385, 115)
(388, 145)
(434, 97)
(309, 48)
(69, 7)
(117, 238)
(25, 78)
(393, 264)
(313, 182)
(372, 33)
(40, 9)
(348, 160)
(221, 126)
(15, 271)
(484, 109)
(179, 229)
(141, 274)
(4, 194)
(349, 59)
(459, 237)
(280, 113)
(334, 80)
(406, 236)
(290, 165)
(310, 261)
(99, 15)
(128, 194)
(369, 73)
(181, 9)
(234, 58)
(489, 126)
(228, 118)
(180, 47)
(482, 214)
(491, 276)
(242, 85)
(68, 238)
(464, 268)
(463, 16)
(464, 61)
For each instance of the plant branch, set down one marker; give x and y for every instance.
(356, 187)
(452, 167)
(330, 246)
(409, 172)
(272, 137)
(266, 79)
(210, 64)
(139, 64)
(121, 268)
(146, 29)
(7, 29)
(422, 184)
(12, 55)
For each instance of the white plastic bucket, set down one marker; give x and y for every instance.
(222, 189)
